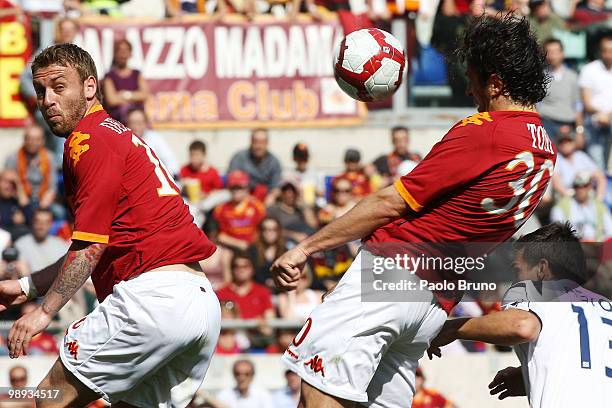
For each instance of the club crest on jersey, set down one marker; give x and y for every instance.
(77, 147)
(477, 119)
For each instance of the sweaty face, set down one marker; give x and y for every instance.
(60, 95)
(477, 90)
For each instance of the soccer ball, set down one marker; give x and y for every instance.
(369, 64)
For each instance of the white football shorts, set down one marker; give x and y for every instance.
(364, 351)
(149, 343)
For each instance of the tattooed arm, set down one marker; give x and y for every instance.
(76, 267)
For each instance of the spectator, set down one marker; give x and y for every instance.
(355, 173)
(269, 245)
(38, 249)
(309, 180)
(589, 215)
(230, 340)
(297, 220)
(43, 343)
(560, 106)
(289, 396)
(263, 167)
(35, 170)
(596, 87)
(570, 162)
(199, 173)
(591, 11)
(426, 397)
(299, 303)
(284, 337)
(386, 165)
(13, 206)
(245, 394)
(124, 88)
(137, 121)
(543, 21)
(18, 378)
(253, 300)
(238, 219)
(341, 201)
(66, 30)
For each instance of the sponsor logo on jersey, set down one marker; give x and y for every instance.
(77, 147)
(477, 119)
(316, 365)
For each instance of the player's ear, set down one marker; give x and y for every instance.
(90, 86)
(543, 269)
(495, 86)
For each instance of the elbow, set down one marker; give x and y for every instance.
(391, 203)
(527, 329)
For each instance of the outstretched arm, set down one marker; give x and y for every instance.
(372, 212)
(77, 266)
(507, 328)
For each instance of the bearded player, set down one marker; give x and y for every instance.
(478, 184)
(150, 340)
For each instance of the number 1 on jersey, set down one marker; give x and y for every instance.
(585, 346)
(161, 172)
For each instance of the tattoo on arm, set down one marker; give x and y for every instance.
(78, 265)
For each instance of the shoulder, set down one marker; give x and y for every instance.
(24, 241)
(592, 68)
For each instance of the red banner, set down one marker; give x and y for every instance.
(15, 51)
(205, 74)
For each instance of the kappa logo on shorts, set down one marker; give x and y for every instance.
(316, 365)
(73, 348)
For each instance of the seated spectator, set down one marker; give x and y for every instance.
(341, 201)
(356, 174)
(238, 219)
(284, 337)
(38, 249)
(592, 11)
(426, 397)
(298, 304)
(560, 106)
(124, 88)
(288, 396)
(589, 215)
(595, 82)
(543, 21)
(387, 164)
(35, 170)
(297, 220)
(253, 300)
(263, 167)
(137, 121)
(310, 181)
(269, 245)
(570, 162)
(43, 343)
(13, 205)
(18, 379)
(245, 393)
(199, 173)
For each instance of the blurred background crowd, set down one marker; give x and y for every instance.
(256, 207)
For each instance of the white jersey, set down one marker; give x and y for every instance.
(570, 363)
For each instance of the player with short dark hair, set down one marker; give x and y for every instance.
(478, 184)
(560, 330)
(136, 238)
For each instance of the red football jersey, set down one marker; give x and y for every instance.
(478, 184)
(240, 220)
(121, 194)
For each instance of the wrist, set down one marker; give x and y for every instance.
(303, 250)
(48, 310)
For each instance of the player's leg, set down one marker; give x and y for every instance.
(393, 383)
(70, 391)
(312, 397)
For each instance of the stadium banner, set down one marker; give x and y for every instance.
(15, 51)
(204, 74)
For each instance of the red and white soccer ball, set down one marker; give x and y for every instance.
(369, 64)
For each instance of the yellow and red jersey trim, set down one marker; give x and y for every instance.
(90, 237)
(401, 189)
(94, 108)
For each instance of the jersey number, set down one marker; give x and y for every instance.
(585, 347)
(520, 194)
(161, 172)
